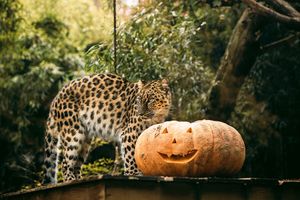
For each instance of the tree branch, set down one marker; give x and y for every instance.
(284, 7)
(279, 42)
(294, 22)
(238, 59)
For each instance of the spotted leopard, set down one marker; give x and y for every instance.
(105, 106)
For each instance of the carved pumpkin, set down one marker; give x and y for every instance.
(201, 148)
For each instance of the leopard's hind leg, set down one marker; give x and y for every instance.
(52, 152)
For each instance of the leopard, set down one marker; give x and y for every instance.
(106, 106)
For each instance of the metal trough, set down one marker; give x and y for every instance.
(153, 188)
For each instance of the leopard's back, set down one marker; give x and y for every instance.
(98, 102)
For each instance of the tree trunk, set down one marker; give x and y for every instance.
(236, 63)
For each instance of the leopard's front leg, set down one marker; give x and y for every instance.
(129, 138)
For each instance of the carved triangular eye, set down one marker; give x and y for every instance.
(174, 141)
(165, 131)
(189, 130)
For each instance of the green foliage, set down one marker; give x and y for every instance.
(86, 21)
(216, 25)
(35, 59)
(9, 20)
(100, 166)
(163, 41)
(38, 52)
(51, 26)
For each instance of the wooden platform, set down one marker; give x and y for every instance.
(155, 188)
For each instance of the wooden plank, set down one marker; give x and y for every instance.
(290, 192)
(149, 191)
(262, 193)
(164, 188)
(221, 192)
(88, 191)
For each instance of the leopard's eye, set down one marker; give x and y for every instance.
(150, 103)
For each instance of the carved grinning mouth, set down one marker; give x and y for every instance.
(179, 158)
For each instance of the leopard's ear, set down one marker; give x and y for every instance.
(140, 84)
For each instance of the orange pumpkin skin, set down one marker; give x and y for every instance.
(201, 148)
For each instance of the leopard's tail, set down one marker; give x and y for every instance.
(51, 158)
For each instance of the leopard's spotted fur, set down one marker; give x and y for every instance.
(103, 105)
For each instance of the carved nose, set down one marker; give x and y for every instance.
(174, 141)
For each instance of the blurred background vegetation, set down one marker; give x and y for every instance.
(45, 44)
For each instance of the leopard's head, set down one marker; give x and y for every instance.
(154, 100)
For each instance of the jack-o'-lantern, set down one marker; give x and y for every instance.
(201, 148)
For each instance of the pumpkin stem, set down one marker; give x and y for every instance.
(189, 130)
